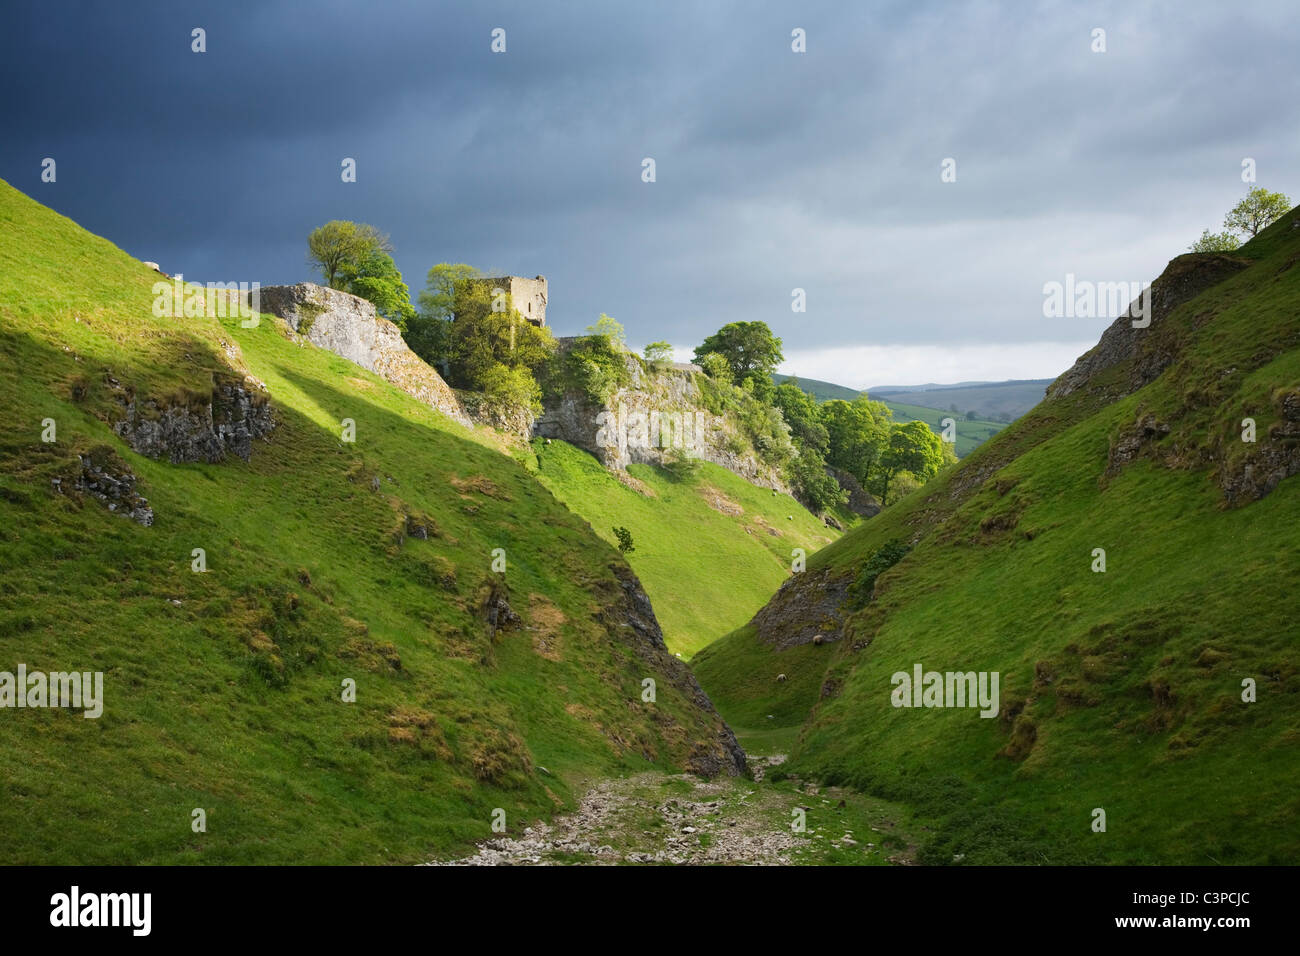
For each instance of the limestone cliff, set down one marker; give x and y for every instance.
(658, 416)
(207, 428)
(348, 326)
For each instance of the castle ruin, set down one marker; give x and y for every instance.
(527, 295)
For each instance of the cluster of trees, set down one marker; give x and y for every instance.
(860, 437)
(1258, 210)
(477, 338)
(481, 343)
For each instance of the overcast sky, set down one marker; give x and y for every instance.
(775, 170)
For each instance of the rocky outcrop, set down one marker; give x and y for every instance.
(860, 502)
(1247, 478)
(348, 326)
(1133, 441)
(808, 609)
(657, 417)
(106, 478)
(630, 619)
(208, 428)
(512, 420)
(1150, 353)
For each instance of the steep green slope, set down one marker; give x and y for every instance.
(326, 562)
(709, 547)
(822, 391)
(1120, 690)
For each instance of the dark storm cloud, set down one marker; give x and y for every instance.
(775, 170)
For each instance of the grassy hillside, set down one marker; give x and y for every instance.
(1120, 690)
(710, 548)
(822, 391)
(223, 689)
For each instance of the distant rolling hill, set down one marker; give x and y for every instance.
(997, 400)
(1001, 401)
(822, 391)
(970, 433)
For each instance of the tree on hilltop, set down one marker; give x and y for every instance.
(751, 350)
(357, 258)
(429, 331)
(1257, 211)
(340, 243)
(610, 328)
(658, 355)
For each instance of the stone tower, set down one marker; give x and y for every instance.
(527, 295)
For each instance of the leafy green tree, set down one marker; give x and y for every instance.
(1258, 210)
(591, 364)
(913, 448)
(858, 434)
(802, 414)
(480, 340)
(659, 355)
(374, 276)
(751, 350)
(624, 540)
(818, 490)
(610, 328)
(438, 298)
(507, 387)
(341, 243)
(428, 333)
(1215, 242)
(715, 367)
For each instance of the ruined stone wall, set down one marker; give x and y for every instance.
(527, 295)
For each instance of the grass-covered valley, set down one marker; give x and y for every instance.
(338, 625)
(709, 546)
(1149, 710)
(327, 562)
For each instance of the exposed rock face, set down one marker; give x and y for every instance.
(513, 421)
(807, 607)
(1133, 441)
(650, 421)
(348, 325)
(860, 501)
(235, 414)
(110, 482)
(631, 620)
(1251, 478)
(1151, 353)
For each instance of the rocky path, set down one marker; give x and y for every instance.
(659, 818)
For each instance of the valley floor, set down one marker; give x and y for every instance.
(659, 818)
